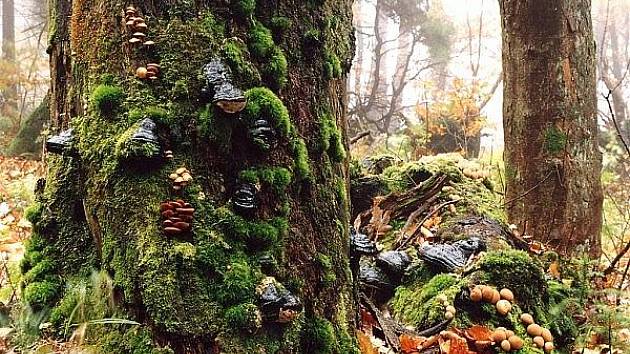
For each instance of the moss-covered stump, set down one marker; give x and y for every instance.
(28, 139)
(266, 191)
(464, 206)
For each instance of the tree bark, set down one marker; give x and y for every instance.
(8, 54)
(552, 161)
(195, 293)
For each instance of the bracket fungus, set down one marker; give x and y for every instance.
(375, 281)
(178, 217)
(394, 263)
(276, 303)
(245, 199)
(451, 257)
(361, 244)
(220, 88)
(262, 133)
(146, 132)
(60, 143)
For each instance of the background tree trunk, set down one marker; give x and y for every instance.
(196, 293)
(8, 54)
(551, 156)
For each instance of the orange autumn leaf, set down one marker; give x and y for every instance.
(409, 344)
(365, 344)
(554, 270)
(478, 333)
(458, 346)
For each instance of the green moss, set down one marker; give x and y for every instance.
(319, 336)
(262, 103)
(302, 165)
(312, 37)
(331, 140)
(280, 25)
(332, 66)
(278, 178)
(107, 99)
(40, 271)
(41, 294)
(239, 284)
(416, 304)
(258, 236)
(244, 8)
(276, 70)
(555, 140)
(244, 316)
(517, 271)
(237, 57)
(342, 191)
(136, 340)
(158, 114)
(326, 266)
(261, 42)
(28, 139)
(33, 213)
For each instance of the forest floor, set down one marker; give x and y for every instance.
(607, 317)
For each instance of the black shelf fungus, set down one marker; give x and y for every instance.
(263, 134)
(146, 133)
(376, 283)
(360, 245)
(276, 303)
(220, 89)
(451, 257)
(268, 264)
(394, 263)
(245, 200)
(60, 143)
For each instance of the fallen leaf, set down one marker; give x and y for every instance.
(458, 346)
(478, 333)
(409, 344)
(365, 344)
(554, 270)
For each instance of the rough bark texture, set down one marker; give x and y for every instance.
(100, 208)
(550, 119)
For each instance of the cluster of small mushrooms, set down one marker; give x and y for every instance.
(178, 217)
(137, 27)
(181, 178)
(151, 71)
(542, 336)
(473, 170)
(502, 300)
(507, 339)
(450, 309)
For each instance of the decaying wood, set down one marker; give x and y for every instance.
(410, 204)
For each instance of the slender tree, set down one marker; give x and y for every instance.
(244, 249)
(550, 117)
(8, 54)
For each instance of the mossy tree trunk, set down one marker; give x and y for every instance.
(100, 209)
(550, 117)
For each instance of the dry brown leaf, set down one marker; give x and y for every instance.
(554, 270)
(536, 247)
(435, 220)
(379, 223)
